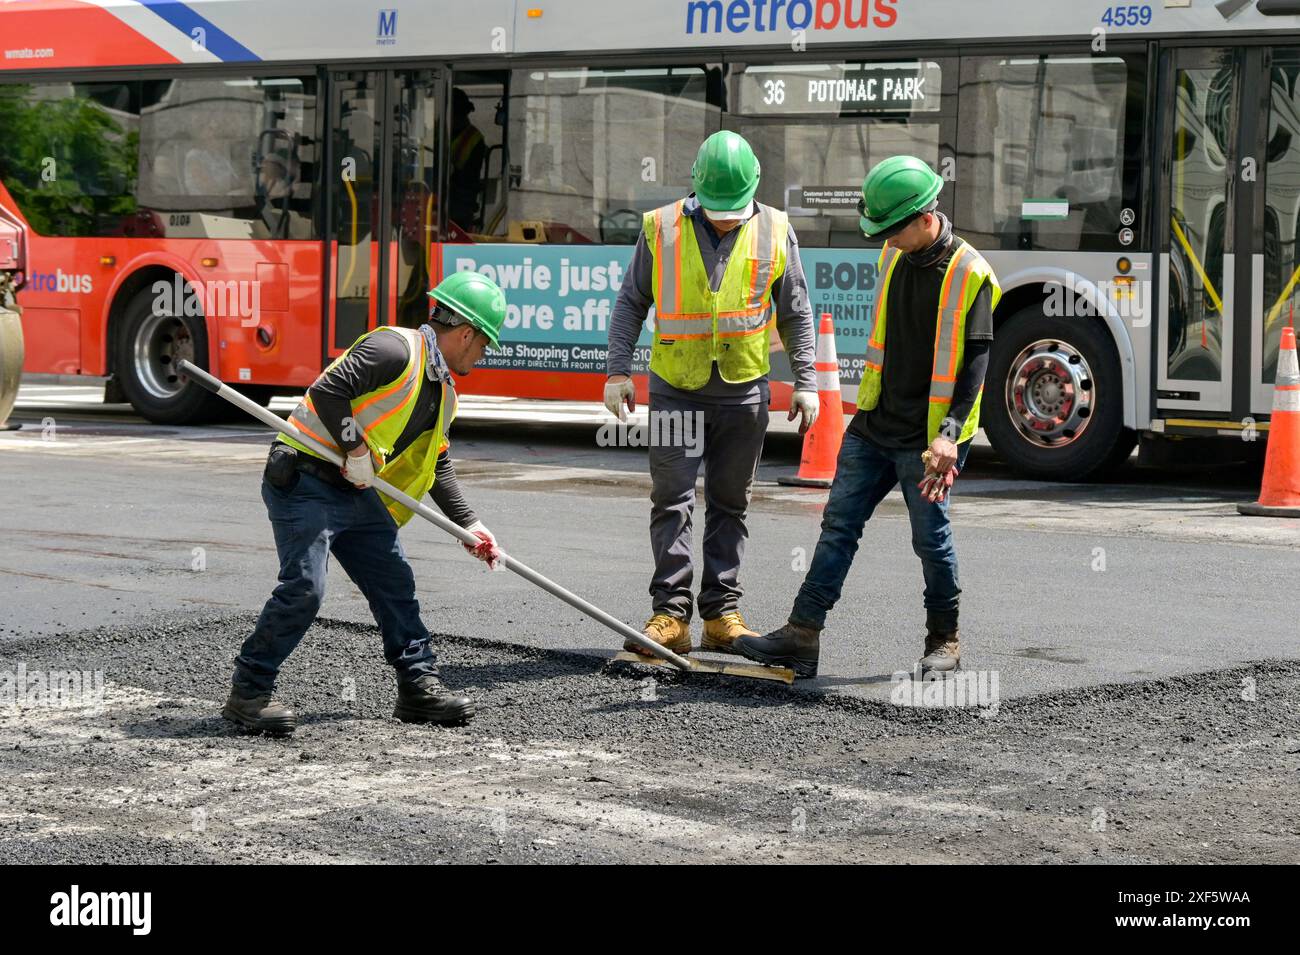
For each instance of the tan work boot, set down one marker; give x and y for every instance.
(721, 632)
(942, 653)
(667, 631)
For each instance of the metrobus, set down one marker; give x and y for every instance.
(252, 185)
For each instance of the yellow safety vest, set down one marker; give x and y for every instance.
(967, 272)
(381, 415)
(463, 146)
(695, 326)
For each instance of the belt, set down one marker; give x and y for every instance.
(320, 469)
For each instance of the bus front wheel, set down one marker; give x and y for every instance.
(148, 348)
(1053, 404)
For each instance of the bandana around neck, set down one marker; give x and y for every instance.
(936, 251)
(436, 367)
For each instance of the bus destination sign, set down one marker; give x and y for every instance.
(841, 88)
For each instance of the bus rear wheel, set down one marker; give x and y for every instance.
(148, 348)
(1053, 404)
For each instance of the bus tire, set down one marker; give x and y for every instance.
(1053, 405)
(147, 348)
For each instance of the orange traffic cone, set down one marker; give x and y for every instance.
(821, 445)
(1279, 495)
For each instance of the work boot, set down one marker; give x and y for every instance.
(259, 714)
(942, 653)
(721, 632)
(792, 646)
(667, 631)
(426, 700)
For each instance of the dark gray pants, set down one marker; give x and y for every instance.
(732, 443)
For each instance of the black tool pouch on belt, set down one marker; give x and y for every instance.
(281, 467)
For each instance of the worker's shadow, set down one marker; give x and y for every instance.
(547, 665)
(215, 726)
(826, 681)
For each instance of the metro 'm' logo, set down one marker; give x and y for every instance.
(763, 16)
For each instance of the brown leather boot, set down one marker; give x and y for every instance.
(721, 632)
(667, 631)
(942, 653)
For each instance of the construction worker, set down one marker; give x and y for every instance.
(719, 269)
(387, 403)
(465, 185)
(918, 409)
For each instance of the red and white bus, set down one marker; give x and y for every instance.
(254, 184)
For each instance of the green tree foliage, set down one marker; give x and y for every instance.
(67, 162)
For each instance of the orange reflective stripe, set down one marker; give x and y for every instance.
(943, 304)
(380, 396)
(752, 331)
(297, 423)
(957, 318)
(659, 254)
(405, 382)
(677, 259)
(952, 271)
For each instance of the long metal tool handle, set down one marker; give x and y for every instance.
(429, 514)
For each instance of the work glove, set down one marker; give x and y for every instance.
(620, 394)
(486, 551)
(807, 405)
(359, 468)
(935, 485)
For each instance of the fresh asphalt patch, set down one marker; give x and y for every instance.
(572, 759)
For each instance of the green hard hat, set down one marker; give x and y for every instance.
(894, 191)
(725, 173)
(476, 299)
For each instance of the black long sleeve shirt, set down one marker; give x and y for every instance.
(367, 366)
(901, 419)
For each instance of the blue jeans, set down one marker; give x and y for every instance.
(864, 474)
(310, 519)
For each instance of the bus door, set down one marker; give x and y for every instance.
(383, 184)
(356, 103)
(1274, 233)
(1200, 110)
(412, 263)
(1230, 185)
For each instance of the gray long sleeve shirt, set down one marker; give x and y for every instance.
(794, 319)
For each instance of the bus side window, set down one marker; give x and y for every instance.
(1049, 150)
(576, 155)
